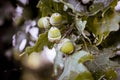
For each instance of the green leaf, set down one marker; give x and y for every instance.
(102, 67)
(80, 25)
(110, 74)
(58, 63)
(102, 26)
(101, 5)
(84, 56)
(94, 8)
(40, 43)
(74, 69)
(47, 7)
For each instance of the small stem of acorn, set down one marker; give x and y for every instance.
(68, 32)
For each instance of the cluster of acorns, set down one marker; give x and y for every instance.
(54, 34)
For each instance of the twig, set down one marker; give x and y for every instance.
(67, 32)
(22, 54)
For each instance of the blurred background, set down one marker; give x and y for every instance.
(18, 30)
(14, 15)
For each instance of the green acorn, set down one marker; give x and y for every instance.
(56, 19)
(54, 34)
(44, 22)
(66, 46)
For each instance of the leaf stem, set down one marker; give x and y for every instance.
(22, 54)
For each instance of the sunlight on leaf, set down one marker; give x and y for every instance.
(74, 70)
(58, 63)
(80, 25)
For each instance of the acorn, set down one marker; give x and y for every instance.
(44, 22)
(66, 46)
(56, 19)
(54, 34)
